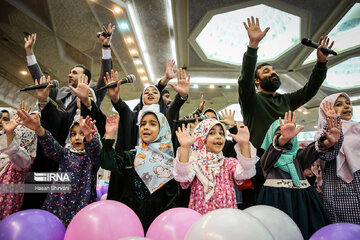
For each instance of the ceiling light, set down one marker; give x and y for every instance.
(212, 86)
(315, 126)
(141, 70)
(144, 78)
(227, 87)
(23, 73)
(124, 26)
(133, 52)
(196, 86)
(305, 112)
(299, 109)
(137, 61)
(129, 40)
(117, 10)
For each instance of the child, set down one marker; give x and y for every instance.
(148, 187)
(201, 164)
(17, 153)
(80, 157)
(341, 176)
(283, 165)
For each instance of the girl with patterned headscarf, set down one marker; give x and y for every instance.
(148, 187)
(283, 165)
(201, 164)
(341, 175)
(80, 157)
(17, 153)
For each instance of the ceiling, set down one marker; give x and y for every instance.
(150, 32)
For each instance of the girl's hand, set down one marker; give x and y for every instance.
(32, 123)
(87, 127)
(288, 130)
(184, 137)
(228, 118)
(11, 125)
(183, 84)
(329, 111)
(113, 92)
(333, 134)
(111, 126)
(243, 134)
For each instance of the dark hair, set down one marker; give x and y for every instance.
(258, 67)
(164, 92)
(75, 124)
(86, 71)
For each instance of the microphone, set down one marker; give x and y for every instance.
(128, 79)
(55, 83)
(190, 120)
(309, 43)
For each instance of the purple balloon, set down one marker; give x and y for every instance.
(104, 189)
(338, 231)
(98, 194)
(172, 224)
(32, 224)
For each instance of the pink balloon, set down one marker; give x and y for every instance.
(106, 219)
(172, 224)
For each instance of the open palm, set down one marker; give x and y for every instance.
(288, 130)
(184, 137)
(183, 84)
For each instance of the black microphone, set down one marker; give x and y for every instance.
(190, 120)
(55, 83)
(128, 79)
(309, 43)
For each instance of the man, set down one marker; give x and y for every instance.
(64, 97)
(165, 94)
(260, 109)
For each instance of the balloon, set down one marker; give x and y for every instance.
(228, 224)
(104, 197)
(104, 189)
(104, 220)
(98, 194)
(32, 224)
(276, 221)
(172, 224)
(338, 231)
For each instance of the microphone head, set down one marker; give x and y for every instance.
(306, 41)
(131, 78)
(54, 82)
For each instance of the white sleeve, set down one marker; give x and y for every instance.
(31, 60)
(106, 53)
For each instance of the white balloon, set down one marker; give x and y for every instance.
(103, 197)
(228, 224)
(276, 221)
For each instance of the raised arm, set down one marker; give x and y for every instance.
(91, 143)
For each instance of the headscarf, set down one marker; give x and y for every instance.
(154, 161)
(211, 110)
(159, 107)
(286, 160)
(348, 159)
(206, 164)
(8, 110)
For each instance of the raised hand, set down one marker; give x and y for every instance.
(329, 111)
(111, 126)
(104, 36)
(87, 127)
(183, 84)
(43, 94)
(29, 44)
(323, 42)
(82, 89)
(333, 133)
(32, 123)
(254, 32)
(24, 106)
(243, 135)
(113, 92)
(192, 125)
(288, 130)
(184, 137)
(228, 117)
(11, 125)
(202, 103)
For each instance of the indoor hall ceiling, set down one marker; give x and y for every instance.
(160, 30)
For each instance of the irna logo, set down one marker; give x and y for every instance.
(52, 177)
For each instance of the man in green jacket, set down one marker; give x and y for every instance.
(260, 109)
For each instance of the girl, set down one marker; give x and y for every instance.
(286, 187)
(201, 164)
(148, 186)
(341, 176)
(17, 153)
(80, 157)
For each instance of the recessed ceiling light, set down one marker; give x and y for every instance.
(315, 126)
(227, 87)
(117, 10)
(196, 86)
(124, 26)
(141, 70)
(212, 86)
(129, 40)
(305, 112)
(144, 78)
(133, 52)
(137, 61)
(23, 73)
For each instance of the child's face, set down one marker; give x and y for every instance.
(151, 96)
(210, 114)
(215, 139)
(345, 104)
(77, 138)
(149, 128)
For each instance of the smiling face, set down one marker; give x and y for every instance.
(151, 96)
(215, 140)
(149, 128)
(346, 108)
(77, 137)
(75, 75)
(267, 79)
